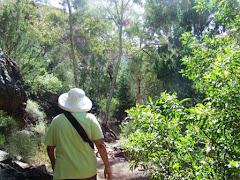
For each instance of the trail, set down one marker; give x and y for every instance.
(119, 166)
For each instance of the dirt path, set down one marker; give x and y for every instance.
(120, 167)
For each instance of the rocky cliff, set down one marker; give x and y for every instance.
(12, 95)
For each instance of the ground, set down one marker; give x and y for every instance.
(120, 167)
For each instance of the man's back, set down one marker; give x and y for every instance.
(74, 157)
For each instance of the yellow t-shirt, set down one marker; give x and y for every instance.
(75, 159)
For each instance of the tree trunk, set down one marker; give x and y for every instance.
(72, 46)
(139, 92)
(115, 73)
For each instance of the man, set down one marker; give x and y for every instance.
(71, 157)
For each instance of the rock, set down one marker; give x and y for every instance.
(11, 169)
(25, 132)
(38, 173)
(9, 173)
(109, 134)
(5, 157)
(119, 152)
(21, 166)
(13, 98)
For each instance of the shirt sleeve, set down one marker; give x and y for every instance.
(49, 137)
(96, 129)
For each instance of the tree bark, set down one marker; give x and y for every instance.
(72, 46)
(139, 92)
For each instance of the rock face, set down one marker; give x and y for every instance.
(12, 95)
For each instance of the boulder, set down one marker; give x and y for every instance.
(37, 173)
(13, 98)
(9, 173)
(12, 169)
(5, 157)
(21, 166)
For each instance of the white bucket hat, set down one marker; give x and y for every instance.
(75, 101)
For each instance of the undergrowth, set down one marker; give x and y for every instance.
(26, 144)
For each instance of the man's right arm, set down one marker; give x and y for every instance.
(51, 155)
(103, 153)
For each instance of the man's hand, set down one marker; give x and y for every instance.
(107, 173)
(103, 153)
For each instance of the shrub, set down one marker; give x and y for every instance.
(46, 82)
(28, 143)
(29, 146)
(7, 124)
(170, 141)
(34, 111)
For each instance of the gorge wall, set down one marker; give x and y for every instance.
(13, 98)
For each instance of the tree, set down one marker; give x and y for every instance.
(29, 33)
(119, 23)
(13, 19)
(124, 95)
(72, 45)
(173, 141)
(164, 22)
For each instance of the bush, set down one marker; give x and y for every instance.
(34, 111)
(170, 141)
(7, 124)
(46, 82)
(154, 131)
(28, 146)
(202, 142)
(28, 143)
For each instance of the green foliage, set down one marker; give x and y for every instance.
(22, 144)
(64, 74)
(169, 140)
(154, 136)
(7, 123)
(224, 10)
(159, 63)
(114, 104)
(214, 68)
(12, 19)
(48, 29)
(28, 145)
(34, 111)
(201, 142)
(28, 36)
(40, 127)
(46, 82)
(124, 96)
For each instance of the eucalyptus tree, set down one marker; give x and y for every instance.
(171, 141)
(123, 14)
(72, 45)
(119, 18)
(164, 22)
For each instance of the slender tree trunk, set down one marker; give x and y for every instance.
(115, 73)
(139, 92)
(72, 46)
